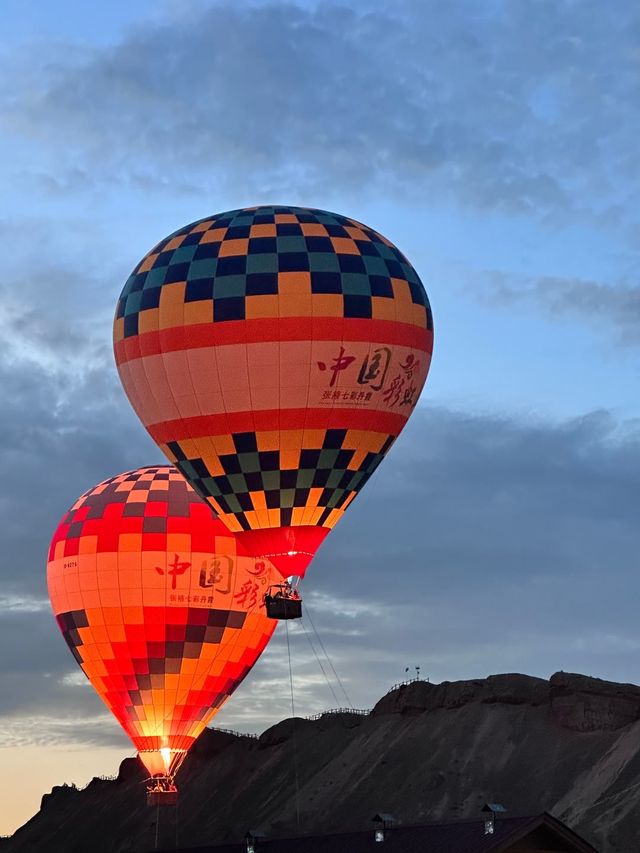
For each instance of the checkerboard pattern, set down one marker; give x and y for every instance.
(235, 265)
(153, 506)
(157, 606)
(315, 490)
(274, 354)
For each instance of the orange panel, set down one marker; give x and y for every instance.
(266, 230)
(214, 235)
(201, 227)
(197, 312)
(234, 247)
(148, 262)
(175, 242)
(171, 309)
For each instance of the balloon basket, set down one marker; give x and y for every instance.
(282, 603)
(162, 792)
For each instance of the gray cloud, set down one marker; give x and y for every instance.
(505, 106)
(499, 490)
(612, 307)
(62, 433)
(45, 699)
(490, 544)
(65, 421)
(482, 544)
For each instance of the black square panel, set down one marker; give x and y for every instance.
(176, 272)
(357, 306)
(262, 283)
(263, 245)
(233, 265)
(198, 289)
(293, 262)
(231, 308)
(326, 282)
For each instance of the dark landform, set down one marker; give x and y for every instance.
(426, 752)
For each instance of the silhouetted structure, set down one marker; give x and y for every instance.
(538, 834)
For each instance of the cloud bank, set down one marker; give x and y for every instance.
(501, 106)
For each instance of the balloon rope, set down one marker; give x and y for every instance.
(293, 725)
(157, 822)
(317, 656)
(333, 669)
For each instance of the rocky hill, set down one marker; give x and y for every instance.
(569, 746)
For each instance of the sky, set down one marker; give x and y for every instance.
(496, 144)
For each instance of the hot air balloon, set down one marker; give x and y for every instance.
(274, 354)
(159, 607)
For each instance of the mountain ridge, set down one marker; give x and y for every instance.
(568, 745)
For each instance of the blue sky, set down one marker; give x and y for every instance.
(496, 144)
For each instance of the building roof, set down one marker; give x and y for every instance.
(458, 837)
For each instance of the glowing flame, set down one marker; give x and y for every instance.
(165, 752)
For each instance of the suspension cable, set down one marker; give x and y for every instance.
(293, 725)
(333, 669)
(176, 817)
(317, 657)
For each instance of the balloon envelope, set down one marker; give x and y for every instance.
(274, 354)
(158, 606)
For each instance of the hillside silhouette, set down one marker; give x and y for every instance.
(426, 752)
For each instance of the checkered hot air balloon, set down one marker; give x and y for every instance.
(275, 354)
(159, 607)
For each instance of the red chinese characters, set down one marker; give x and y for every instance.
(176, 569)
(339, 363)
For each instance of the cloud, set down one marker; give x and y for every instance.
(63, 729)
(483, 544)
(45, 698)
(612, 307)
(65, 421)
(63, 431)
(505, 107)
(480, 488)
(486, 544)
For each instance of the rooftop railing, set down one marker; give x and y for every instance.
(361, 712)
(234, 732)
(408, 681)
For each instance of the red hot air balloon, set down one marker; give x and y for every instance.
(275, 354)
(159, 607)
